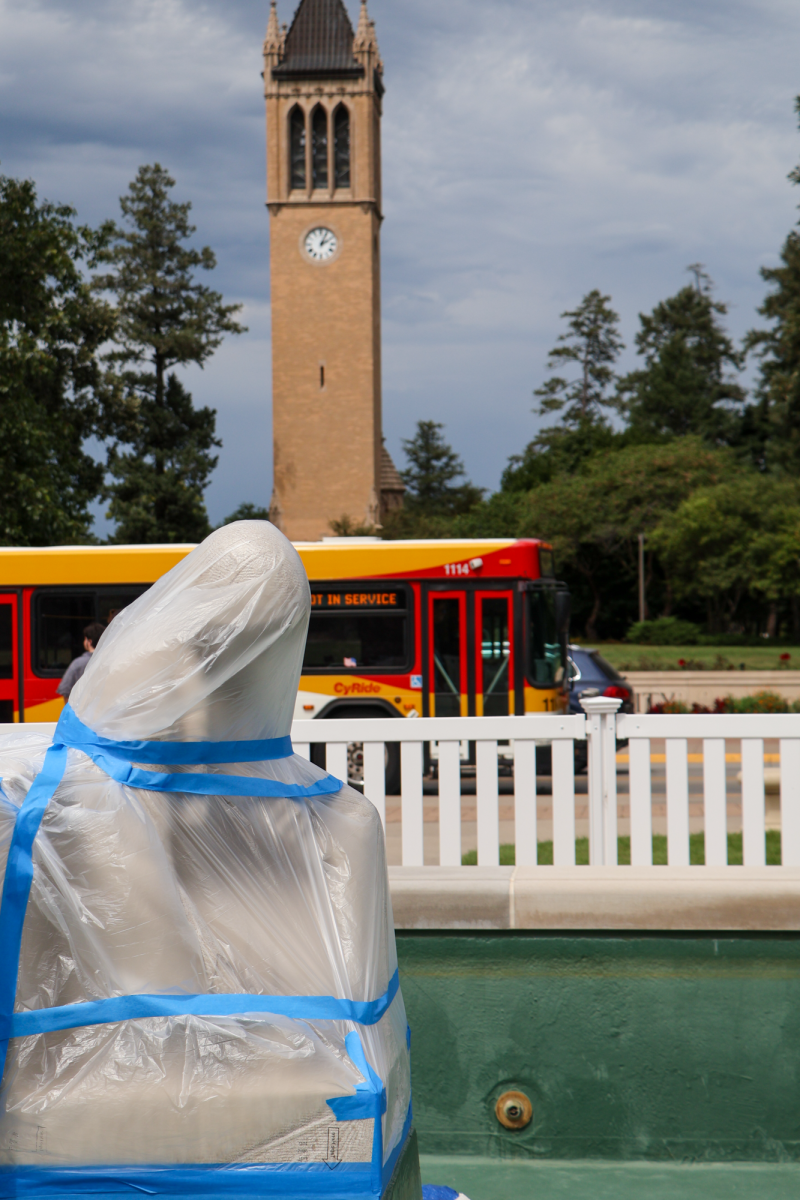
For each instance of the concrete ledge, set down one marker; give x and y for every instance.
(626, 898)
(451, 897)
(704, 687)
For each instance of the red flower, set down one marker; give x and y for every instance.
(785, 657)
(681, 662)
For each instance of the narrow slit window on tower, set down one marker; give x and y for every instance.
(321, 376)
(341, 147)
(297, 139)
(319, 147)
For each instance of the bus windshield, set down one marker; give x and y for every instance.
(352, 629)
(545, 651)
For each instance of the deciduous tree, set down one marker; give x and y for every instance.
(737, 538)
(51, 328)
(593, 517)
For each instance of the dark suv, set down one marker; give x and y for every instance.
(593, 676)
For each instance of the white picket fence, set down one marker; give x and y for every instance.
(600, 728)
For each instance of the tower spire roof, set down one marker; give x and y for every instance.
(319, 41)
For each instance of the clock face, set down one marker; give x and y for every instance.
(320, 244)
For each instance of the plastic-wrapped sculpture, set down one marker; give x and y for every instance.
(198, 983)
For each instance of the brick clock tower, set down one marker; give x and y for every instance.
(323, 87)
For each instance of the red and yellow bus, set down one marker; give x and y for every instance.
(402, 628)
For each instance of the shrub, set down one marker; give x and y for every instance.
(761, 702)
(664, 631)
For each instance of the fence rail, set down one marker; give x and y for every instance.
(718, 787)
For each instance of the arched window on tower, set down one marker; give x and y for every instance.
(297, 147)
(341, 147)
(319, 147)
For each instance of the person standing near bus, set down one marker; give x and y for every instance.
(91, 636)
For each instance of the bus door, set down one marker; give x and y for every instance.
(447, 654)
(9, 667)
(494, 657)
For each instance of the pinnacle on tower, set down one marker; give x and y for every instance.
(273, 42)
(365, 38)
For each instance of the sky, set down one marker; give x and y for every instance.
(532, 150)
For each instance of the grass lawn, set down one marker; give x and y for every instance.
(697, 851)
(709, 658)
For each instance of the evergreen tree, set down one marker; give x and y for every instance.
(157, 495)
(51, 327)
(779, 351)
(593, 344)
(685, 386)
(432, 473)
(165, 319)
(247, 512)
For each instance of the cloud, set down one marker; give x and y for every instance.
(531, 151)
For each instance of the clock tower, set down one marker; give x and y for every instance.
(323, 86)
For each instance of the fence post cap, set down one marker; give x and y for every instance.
(597, 705)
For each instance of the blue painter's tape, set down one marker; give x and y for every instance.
(72, 732)
(335, 1181)
(370, 1097)
(306, 1181)
(209, 785)
(18, 879)
(116, 759)
(220, 1004)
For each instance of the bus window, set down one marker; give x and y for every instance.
(8, 687)
(59, 621)
(6, 642)
(546, 564)
(110, 602)
(545, 656)
(493, 680)
(60, 617)
(352, 630)
(446, 629)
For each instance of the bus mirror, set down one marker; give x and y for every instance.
(562, 612)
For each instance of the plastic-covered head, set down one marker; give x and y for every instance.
(213, 651)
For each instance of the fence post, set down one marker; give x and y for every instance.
(601, 736)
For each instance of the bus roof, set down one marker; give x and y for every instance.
(335, 558)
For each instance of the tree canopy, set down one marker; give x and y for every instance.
(593, 517)
(726, 541)
(51, 395)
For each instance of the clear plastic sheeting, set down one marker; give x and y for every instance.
(202, 902)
